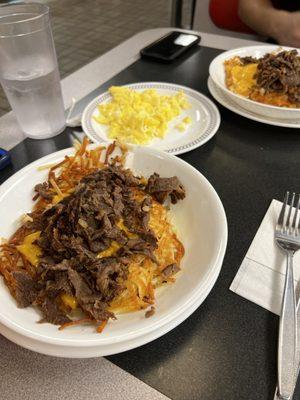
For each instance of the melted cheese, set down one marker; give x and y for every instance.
(114, 245)
(31, 251)
(240, 78)
(110, 250)
(120, 224)
(69, 301)
(243, 78)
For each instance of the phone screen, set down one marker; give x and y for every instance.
(171, 45)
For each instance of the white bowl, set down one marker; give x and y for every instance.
(201, 223)
(217, 73)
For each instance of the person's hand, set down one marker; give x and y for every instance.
(287, 31)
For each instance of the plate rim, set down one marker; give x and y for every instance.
(14, 179)
(199, 141)
(221, 98)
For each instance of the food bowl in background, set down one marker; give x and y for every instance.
(217, 74)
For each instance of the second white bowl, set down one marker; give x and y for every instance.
(217, 73)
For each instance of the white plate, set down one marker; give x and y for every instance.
(219, 95)
(217, 73)
(201, 223)
(203, 113)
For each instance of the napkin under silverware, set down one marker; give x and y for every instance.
(261, 275)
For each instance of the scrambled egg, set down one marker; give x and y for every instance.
(139, 117)
(183, 125)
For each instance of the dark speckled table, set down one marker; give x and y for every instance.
(227, 348)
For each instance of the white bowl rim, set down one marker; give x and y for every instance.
(235, 52)
(231, 105)
(218, 258)
(114, 348)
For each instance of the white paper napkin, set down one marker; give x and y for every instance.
(261, 275)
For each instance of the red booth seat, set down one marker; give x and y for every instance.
(224, 14)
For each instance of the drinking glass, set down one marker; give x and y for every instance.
(28, 69)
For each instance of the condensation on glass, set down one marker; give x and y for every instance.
(28, 69)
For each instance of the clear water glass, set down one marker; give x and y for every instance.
(28, 69)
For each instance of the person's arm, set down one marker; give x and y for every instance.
(262, 17)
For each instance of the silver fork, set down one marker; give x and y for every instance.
(287, 236)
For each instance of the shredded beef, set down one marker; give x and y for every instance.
(106, 208)
(59, 285)
(170, 270)
(280, 73)
(161, 188)
(150, 312)
(42, 189)
(26, 289)
(89, 300)
(248, 60)
(52, 313)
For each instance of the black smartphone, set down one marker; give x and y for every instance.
(170, 47)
